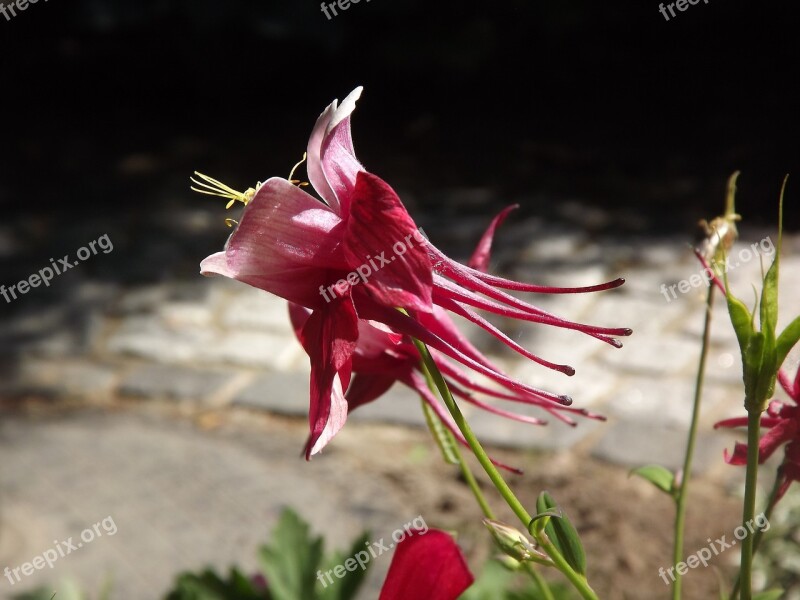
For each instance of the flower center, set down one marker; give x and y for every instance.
(212, 187)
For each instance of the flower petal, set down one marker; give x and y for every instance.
(338, 157)
(366, 388)
(427, 565)
(329, 337)
(480, 258)
(316, 175)
(378, 227)
(285, 244)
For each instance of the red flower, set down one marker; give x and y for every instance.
(331, 258)
(783, 422)
(426, 566)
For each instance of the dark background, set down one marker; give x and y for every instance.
(107, 108)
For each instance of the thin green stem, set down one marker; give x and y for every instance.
(749, 508)
(577, 580)
(469, 477)
(547, 593)
(773, 495)
(683, 489)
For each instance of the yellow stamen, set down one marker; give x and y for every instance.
(212, 187)
(231, 222)
(297, 182)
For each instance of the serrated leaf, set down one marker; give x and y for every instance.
(347, 587)
(210, 586)
(291, 560)
(659, 476)
(563, 534)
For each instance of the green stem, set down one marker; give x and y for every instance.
(683, 489)
(749, 508)
(472, 483)
(760, 533)
(547, 593)
(577, 580)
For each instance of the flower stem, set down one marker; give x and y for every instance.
(773, 495)
(472, 483)
(577, 580)
(749, 508)
(547, 593)
(683, 489)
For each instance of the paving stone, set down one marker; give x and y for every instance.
(652, 355)
(646, 315)
(280, 393)
(634, 444)
(589, 387)
(668, 401)
(398, 406)
(259, 349)
(148, 336)
(179, 383)
(53, 379)
(256, 309)
(185, 314)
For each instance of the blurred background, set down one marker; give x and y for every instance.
(133, 387)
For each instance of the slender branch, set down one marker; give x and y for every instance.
(683, 489)
(749, 507)
(472, 483)
(547, 593)
(773, 495)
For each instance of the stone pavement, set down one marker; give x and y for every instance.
(205, 346)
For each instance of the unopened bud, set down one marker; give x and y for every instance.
(513, 542)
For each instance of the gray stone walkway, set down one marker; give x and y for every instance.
(211, 342)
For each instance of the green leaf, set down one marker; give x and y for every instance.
(659, 476)
(347, 587)
(291, 560)
(741, 319)
(563, 534)
(210, 586)
(769, 298)
(773, 594)
(444, 439)
(786, 341)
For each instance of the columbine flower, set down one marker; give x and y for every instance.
(358, 256)
(427, 566)
(783, 422)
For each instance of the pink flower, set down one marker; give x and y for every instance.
(426, 567)
(357, 257)
(783, 424)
